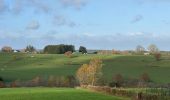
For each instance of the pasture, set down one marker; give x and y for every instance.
(17, 66)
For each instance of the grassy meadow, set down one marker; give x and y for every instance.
(16, 66)
(53, 94)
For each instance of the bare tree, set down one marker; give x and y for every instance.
(140, 49)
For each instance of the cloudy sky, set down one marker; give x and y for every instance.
(96, 24)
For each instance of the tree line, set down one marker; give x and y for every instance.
(49, 49)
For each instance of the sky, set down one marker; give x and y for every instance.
(95, 24)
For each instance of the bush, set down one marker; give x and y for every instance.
(118, 78)
(71, 80)
(7, 49)
(68, 54)
(157, 56)
(145, 77)
(51, 81)
(15, 84)
(2, 84)
(37, 81)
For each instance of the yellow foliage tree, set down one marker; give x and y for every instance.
(89, 74)
(82, 74)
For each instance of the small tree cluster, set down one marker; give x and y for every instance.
(58, 49)
(83, 50)
(30, 48)
(140, 49)
(89, 74)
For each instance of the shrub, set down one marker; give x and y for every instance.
(157, 56)
(15, 83)
(68, 54)
(145, 77)
(7, 49)
(71, 80)
(2, 84)
(37, 81)
(118, 78)
(51, 81)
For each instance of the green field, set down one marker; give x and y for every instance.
(53, 94)
(27, 66)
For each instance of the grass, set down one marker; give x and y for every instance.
(27, 66)
(53, 94)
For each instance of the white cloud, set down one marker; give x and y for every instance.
(60, 20)
(91, 41)
(33, 25)
(2, 6)
(78, 4)
(137, 18)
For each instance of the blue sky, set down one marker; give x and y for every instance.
(96, 24)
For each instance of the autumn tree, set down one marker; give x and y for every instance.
(82, 74)
(89, 74)
(95, 70)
